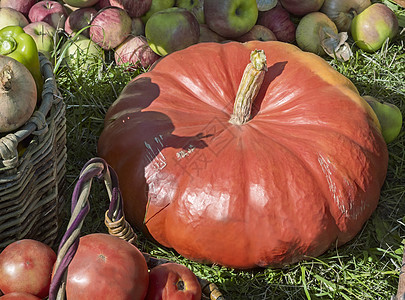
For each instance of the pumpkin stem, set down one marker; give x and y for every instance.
(249, 87)
(5, 78)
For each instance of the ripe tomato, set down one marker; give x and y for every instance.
(19, 296)
(107, 267)
(172, 281)
(26, 266)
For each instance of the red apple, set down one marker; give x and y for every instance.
(136, 52)
(172, 281)
(19, 296)
(134, 8)
(80, 19)
(23, 6)
(300, 7)
(102, 4)
(44, 36)
(342, 12)
(51, 12)
(110, 27)
(278, 21)
(26, 266)
(10, 16)
(259, 33)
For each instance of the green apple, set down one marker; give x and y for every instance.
(373, 26)
(80, 47)
(230, 18)
(310, 32)
(171, 29)
(157, 5)
(10, 16)
(389, 116)
(81, 3)
(195, 6)
(44, 36)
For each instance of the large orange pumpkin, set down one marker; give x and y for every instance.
(303, 174)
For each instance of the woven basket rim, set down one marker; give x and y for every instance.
(37, 124)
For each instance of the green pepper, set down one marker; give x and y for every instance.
(17, 44)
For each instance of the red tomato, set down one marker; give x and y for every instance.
(107, 267)
(26, 266)
(172, 281)
(19, 296)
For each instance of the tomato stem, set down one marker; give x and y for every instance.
(180, 285)
(249, 87)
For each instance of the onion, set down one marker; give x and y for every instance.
(342, 12)
(18, 94)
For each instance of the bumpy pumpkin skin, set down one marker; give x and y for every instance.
(304, 173)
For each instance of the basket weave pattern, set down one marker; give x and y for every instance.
(32, 182)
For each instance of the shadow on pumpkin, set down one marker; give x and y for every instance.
(271, 74)
(151, 132)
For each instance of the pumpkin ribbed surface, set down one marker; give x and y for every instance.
(304, 172)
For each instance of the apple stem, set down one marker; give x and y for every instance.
(352, 13)
(5, 78)
(249, 87)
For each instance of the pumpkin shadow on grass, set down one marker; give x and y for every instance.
(152, 132)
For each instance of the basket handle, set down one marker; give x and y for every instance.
(115, 220)
(401, 282)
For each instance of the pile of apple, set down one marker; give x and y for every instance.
(104, 267)
(141, 31)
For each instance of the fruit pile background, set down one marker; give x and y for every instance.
(366, 268)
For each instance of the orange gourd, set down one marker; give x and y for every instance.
(303, 172)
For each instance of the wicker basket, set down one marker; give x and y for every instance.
(115, 222)
(32, 180)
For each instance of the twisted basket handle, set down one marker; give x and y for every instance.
(401, 282)
(115, 220)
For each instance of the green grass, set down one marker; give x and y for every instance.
(365, 268)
